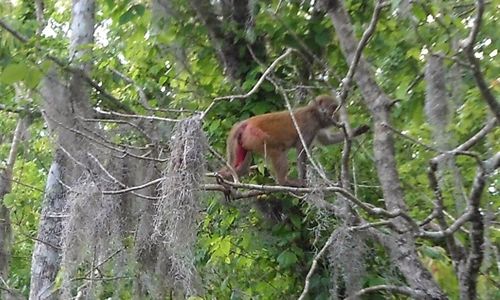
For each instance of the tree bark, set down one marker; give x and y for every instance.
(46, 255)
(402, 251)
(232, 50)
(62, 104)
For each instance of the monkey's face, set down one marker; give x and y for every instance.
(327, 106)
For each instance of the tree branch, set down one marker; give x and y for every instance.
(255, 87)
(314, 265)
(363, 42)
(474, 61)
(403, 290)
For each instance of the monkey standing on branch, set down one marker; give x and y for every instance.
(272, 135)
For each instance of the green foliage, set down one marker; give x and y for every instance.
(173, 60)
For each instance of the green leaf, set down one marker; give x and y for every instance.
(32, 78)
(287, 259)
(9, 199)
(322, 38)
(214, 126)
(131, 13)
(433, 252)
(223, 248)
(419, 12)
(14, 73)
(138, 9)
(296, 220)
(261, 108)
(261, 168)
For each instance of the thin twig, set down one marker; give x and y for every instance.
(255, 87)
(101, 143)
(132, 116)
(468, 45)
(128, 189)
(403, 290)
(367, 34)
(314, 265)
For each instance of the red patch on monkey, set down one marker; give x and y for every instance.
(241, 152)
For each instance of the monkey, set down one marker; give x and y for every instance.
(273, 134)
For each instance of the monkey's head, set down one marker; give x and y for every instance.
(326, 106)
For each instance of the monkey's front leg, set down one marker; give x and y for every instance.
(301, 164)
(302, 158)
(279, 163)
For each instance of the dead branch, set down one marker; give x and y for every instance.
(118, 121)
(226, 163)
(314, 265)
(369, 208)
(468, 275)
(454, 250)
(126, 188)
(132, 116)
(104, 144)
(255, 87)
(234, 195)
(403, 290)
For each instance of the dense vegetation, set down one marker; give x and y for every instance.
(92, 104)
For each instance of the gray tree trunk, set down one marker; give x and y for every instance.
(46, 255)
(62, 103)
(401, 248)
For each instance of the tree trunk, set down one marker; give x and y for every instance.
(62, 104)
(402, 250)
(46, 255)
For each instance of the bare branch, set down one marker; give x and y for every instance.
(314, 265)
(468, 45)
(326, 137)
(459, 150)
(403, 290)
(478, 136)
(459, 222)
(226, 163)
(413, 140)
(369, 208)
(104, 144)
(455, 251)
(234, 195)
(143, 99)
(135, 188)
(132, 116)
(372, 225)
(126, 188)
(367, 34)
(118, 121)
(255, 87)
(468, 276)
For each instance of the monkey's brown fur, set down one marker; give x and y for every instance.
(272, 135)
